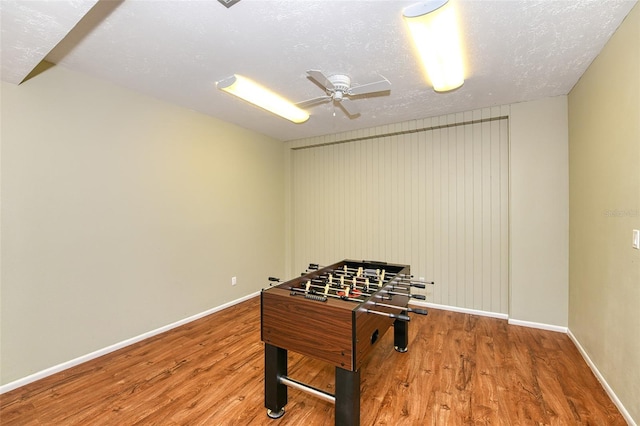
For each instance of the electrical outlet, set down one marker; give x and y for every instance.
(234, 281)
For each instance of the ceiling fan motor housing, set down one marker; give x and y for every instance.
(341, 84)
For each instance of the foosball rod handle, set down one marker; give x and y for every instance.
(404, 284)
(401, 317)
(403, 308)
(414, 283)
(274, 279)
(417, 285)
(412, 296)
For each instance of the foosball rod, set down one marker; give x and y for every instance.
(350, 281)
(414, 283)
(414, 296)
(303, 291)
(316, 280)
(316, 286)
(316, 266)
(401, 284)
(381, 282)
(357, 287)
(336, 289)
(344, 270)
(366, 291)
(416, 311)
(402, 279)
(323, 283)
(401, 317)
(402, 276)
(337, 273)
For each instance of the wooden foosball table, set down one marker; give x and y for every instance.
(336, 314)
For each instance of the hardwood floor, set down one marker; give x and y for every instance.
(460, 369)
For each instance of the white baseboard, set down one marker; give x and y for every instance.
(84, 358)
(602, 380)
(461, 310)
(539, 325)
(492, 315)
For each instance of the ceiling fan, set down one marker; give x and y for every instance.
(339, 90)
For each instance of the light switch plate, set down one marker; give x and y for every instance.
(636, 239)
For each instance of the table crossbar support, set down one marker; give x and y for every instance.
(287, 381)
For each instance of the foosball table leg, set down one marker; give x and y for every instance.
(275, 393)
(347, 397)
(401, 335)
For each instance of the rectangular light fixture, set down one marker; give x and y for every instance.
(252, 92)
(434, 29)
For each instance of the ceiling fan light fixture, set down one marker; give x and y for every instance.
(434, 29)
(262, 97)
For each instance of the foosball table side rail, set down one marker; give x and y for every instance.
(319, 330)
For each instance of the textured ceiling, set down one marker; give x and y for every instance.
(516, 51)
(30, 29)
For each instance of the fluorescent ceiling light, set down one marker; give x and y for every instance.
(434, 29)
(252, 92)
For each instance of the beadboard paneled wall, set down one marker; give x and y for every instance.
(431, 193)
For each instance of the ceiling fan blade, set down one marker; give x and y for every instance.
(321, 78)
(378, 86)
(315, 101)
(349, 107)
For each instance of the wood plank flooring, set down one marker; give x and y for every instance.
(460, 370)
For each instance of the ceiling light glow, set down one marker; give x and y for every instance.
(252, 92)
(434, 29)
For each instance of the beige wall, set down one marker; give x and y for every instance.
(539, 212)
(604, 153)
(122, 214)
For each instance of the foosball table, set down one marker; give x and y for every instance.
(335, 314)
